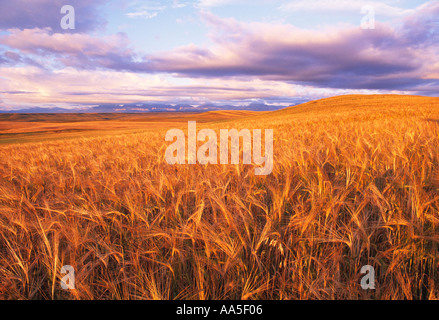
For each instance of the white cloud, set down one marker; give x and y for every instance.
(381, 8)
(142, 14)
(146, 11)
(220, 3)
(176, 4)
(214, 3)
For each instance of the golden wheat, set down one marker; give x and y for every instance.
(355, 182)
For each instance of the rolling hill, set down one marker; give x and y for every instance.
(355, 183)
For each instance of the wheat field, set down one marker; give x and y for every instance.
(355, 182)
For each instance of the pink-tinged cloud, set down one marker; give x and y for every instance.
(388, 57)
(391, 57)
(76, 50)
(85, 87)
(43, 41)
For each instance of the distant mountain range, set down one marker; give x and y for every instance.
(153, 107)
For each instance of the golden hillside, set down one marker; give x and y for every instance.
(355, 183)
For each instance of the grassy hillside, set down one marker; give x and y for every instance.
(355, 182)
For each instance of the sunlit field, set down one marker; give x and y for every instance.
(355, 182)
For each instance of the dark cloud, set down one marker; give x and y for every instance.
(25, 14)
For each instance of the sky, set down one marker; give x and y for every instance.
(214, 52)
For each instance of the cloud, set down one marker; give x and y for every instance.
(43, 41)
(176, 4)
(82, 51)
(24, 14)
(206, 4)
(142, 14)
(146, 11)
(11, 58)
(259, 60)
(69, 86)
(402, 57)
(214, 3)
(422, 29)
(380, 7)
(388, 57)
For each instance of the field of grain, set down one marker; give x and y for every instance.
(355, 182)
(23, 128)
